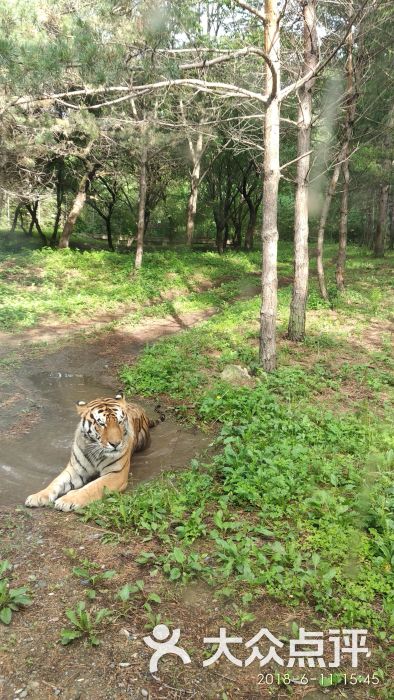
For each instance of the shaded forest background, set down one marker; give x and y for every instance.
(201, 124)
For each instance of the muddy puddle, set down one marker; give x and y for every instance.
(29, 461)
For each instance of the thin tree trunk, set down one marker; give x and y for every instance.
(322, 225)
(33, 209)
(296, 329)
(350, 114)
(220, 232)
(342, 245)
(237, 219)
(147, 215)
(15, 217)
(391, 224)
(141, 207)
(59, 201)
(269, 276)
(382, 223)
(77, 207)
(109, 233)
(56, 224)
(192, 208)
(381, 227)
(251, 228)
(195, 181)
(250, 231)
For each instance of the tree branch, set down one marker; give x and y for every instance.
(290, 162)
(229, 56)
(251, 10)
(222, 89)
(322, 64)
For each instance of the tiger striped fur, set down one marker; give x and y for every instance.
(109, 432)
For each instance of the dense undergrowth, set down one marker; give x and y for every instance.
(297, 499)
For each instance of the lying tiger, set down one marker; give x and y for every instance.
(109, 431)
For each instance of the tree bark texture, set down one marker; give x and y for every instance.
(382, 222)
(78, 205)
(33, 211)
(269, 233)
(17, 213)
(141, 208)
(381, 227)
(196, 152)
(349, 120)
(59, 200)
(322, 225)
(296, 329)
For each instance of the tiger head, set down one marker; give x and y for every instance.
(104, 422)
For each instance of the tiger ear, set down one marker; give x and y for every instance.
(119, 395)
(80, 406)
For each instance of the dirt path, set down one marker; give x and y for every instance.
(52, 329)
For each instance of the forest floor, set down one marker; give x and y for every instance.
(283, 523)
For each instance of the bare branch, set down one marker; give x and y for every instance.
(322, 64)
(290, 162)
(226, 56)
(221, 89)
(231, 55)
(251, 10)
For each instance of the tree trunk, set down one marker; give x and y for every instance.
(269, 277)
(56, 225)
(251, 228)
(141, 208)
(380, 235)
(381, 227)
(147, 215)
(237, 238)
(59, 201)
(322, 226)
(391, 224)
(296, 329)
(195, 181)
(33, 209)
(350, 114)
(220, 232)
(77, 207)
(15, 217)
(109, 233)
(340, 271)
(250, 231)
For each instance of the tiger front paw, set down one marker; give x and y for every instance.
(68, 502)
(41, 498)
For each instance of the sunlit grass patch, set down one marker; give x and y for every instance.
(72, 285)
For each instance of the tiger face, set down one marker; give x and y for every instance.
(104, 423)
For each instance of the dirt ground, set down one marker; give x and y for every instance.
(44, 546)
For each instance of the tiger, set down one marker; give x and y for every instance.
(110, 430)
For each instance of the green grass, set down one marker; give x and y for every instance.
(297, 501)
(68, 285)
